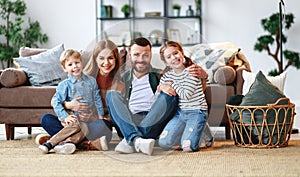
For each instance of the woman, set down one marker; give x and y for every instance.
(103, 65)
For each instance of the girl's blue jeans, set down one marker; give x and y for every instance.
(184, 129)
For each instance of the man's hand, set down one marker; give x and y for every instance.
(197, 71)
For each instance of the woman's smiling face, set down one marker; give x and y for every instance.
(106, 61)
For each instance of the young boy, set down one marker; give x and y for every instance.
(77, 84)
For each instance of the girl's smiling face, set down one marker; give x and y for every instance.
(106, 61)
(174, 59)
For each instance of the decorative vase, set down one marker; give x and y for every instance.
(190, 11)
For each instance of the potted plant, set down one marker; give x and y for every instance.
(176, 9)
(13, 32)
(198, 7)
(266, 42)
(126, 9)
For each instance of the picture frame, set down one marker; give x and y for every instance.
(174, 35)
(125, 37)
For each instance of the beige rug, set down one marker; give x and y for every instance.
(22, 158)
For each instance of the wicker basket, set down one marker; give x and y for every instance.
(262, 126)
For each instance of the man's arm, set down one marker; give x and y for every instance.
(197, 71)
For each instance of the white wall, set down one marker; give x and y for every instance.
(72, 22)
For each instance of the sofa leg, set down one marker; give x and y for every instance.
(29, 130)
(10, 131)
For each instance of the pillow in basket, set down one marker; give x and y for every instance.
(43, 69)
(249, 78)
(262, 92)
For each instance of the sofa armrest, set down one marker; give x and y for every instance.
(11, 77)
(239, 80)
(225, 75)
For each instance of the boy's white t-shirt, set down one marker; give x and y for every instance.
(142, 96)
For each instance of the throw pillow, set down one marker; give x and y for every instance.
(27, 51)
(249, 78)
(44, 68)
(210, 59)
(207, 58)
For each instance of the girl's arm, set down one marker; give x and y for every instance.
(188, 87)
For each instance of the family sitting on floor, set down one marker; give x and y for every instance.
(144, 104)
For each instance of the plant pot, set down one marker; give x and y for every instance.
(176, 12)
(126, 15)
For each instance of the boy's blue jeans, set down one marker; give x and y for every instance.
(145, 124)
(184, 129)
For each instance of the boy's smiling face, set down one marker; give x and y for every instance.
(74, 67)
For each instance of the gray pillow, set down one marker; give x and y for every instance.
(261, 93)
(43, 69)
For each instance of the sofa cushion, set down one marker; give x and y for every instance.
(27, 97)
(43, 69)
(12, 77)
(249, 78)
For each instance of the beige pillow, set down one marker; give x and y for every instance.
(249, 78)
(27, 51)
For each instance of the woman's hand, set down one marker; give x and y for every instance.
(76, 105)
(197, 71)
(167, 88)
(85, 116)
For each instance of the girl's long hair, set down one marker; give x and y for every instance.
(188, 61)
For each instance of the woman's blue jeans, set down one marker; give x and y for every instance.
(145, 124)
(97, 128)
(184, 129)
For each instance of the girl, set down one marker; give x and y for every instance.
(188, 124)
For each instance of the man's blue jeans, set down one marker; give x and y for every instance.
(97, 128)
(184, 129)
(146, 124)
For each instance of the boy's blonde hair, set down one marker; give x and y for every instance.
(68, 54)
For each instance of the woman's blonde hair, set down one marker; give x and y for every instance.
(91, 68)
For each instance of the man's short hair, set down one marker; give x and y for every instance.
(141, 41)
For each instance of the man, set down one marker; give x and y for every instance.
(140, 115)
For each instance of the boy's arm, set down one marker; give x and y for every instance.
(58, 100)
